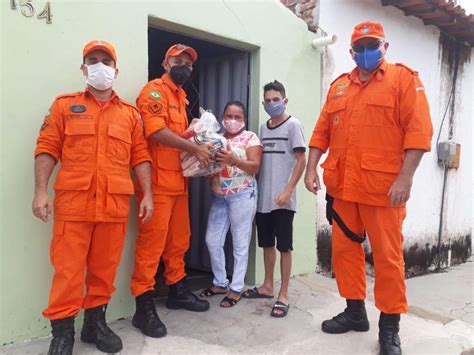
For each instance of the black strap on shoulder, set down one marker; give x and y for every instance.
(331, 215)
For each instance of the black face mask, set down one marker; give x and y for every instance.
(180, 74)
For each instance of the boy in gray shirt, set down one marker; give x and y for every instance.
(282, 165)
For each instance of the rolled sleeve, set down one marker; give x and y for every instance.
(415, 115)
(51, 136)
(320, 137)
(139, 150)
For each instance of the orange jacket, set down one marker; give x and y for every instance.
(367, 126)
(96, 146)
(163, 104)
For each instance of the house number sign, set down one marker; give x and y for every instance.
(27, 9)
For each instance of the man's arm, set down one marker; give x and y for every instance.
(167, 137)
(42, 205)
(311, 179)
(284, 198)
(146, 209)
(400, 190)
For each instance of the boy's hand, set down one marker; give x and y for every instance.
(283, 200)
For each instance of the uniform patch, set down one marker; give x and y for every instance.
(155, 107)
(365, 30)
(155, 95)
(342, 85)
(78, 108)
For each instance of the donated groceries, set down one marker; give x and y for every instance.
(203, 131)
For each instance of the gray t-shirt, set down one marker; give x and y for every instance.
(278, 161)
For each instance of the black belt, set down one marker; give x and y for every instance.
(332, 214)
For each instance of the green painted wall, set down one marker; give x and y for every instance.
(40, 61)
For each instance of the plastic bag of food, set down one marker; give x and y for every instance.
(203, 131)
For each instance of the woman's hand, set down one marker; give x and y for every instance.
(226, 157)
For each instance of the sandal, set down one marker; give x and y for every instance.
(231, 302)
(253, 293)
(281, 307)
(209, 292)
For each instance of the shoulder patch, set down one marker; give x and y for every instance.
(155, 94)
(407, 68)
(339, 77)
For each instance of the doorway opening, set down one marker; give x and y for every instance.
(220, 74)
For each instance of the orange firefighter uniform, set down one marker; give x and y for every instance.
(367, 126)
(96, 145)
(163, 104)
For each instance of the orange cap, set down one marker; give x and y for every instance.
(98, 45)
(367, 29)
(177, 49)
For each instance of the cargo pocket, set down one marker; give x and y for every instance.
(331, 173)
(79, 140)
(379, 171)
(379, 111)
(72, 192)
(169, 172)
(119, 145)
(119, 189)
(337, 109)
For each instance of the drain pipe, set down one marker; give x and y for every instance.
(440, 227)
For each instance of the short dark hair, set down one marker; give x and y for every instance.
(238, 104)
(276, 86)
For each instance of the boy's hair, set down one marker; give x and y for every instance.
(238, 104)
(276, 86)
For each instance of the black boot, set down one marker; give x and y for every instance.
(180, 296)
(146, 319)
(354, 317)
(96, 331)
(389, 325)
(63, 336)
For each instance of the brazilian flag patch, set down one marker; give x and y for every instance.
(155, 95)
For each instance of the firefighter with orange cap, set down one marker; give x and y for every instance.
(376, 125)
(162, 104)
(97, 136)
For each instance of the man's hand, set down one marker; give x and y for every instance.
(226, 157)
(203, 154)
(400, 190)
(311, 181)
(42, 206)
(146, 208)
(283, 200)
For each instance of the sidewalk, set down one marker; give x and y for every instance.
(440, 321)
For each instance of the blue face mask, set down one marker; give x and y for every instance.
(275, 109)
(369, 59)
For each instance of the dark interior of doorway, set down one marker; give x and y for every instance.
(159, 40)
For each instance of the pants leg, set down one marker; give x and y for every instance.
(177, 241)
(102, 262)
(242, 208)
(68, 251)
(384, 227)
(217, 227)
(348, 257)
(150, 244)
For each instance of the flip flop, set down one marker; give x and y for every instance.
(253, 293)
(209, 292)
(231, 301)
(280, 306)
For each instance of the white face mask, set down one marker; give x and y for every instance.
(100, 76)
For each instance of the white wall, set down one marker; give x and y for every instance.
(417, 46)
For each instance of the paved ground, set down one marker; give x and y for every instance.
(440, 322)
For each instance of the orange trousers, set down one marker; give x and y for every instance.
(75, 248)
(384, 229)
(165, 236)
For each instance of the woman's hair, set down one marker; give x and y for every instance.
(238, 104)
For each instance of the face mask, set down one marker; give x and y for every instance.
(233, 126)
(180, 74)
(275, 109)
(100, 76)
(368, 59)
